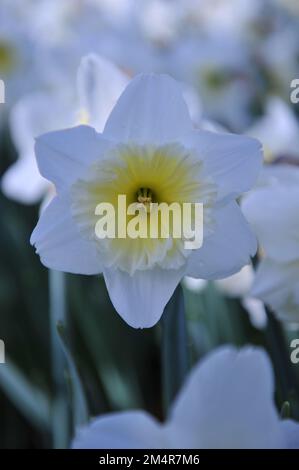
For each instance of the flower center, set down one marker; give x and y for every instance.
(146, 175)
(145, 197)
(7, 57)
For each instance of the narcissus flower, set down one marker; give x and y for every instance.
(273, 211)
(277, 130)
(148, 143)
(226, 403)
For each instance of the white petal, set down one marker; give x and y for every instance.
(140, 299)
(63, 156)
(278, 129)
(194, 285)
(233, 161)
(227, 250)
(273, 214)
(272, 278)
(24, 122)
(194, 105)
(23, 182)
(227, 402)
(100, 84)
(127, 430)
(151, 110)
(33, 115)
(59, 244)
(282, 174)
(40, 112)
(291, 432)
(239, 284)
(277, 284)
(256, 311)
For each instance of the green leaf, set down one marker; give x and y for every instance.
(29, 400)
(80, 408)
(175, 357)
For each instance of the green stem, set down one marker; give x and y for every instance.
(175, 360)
(60, 410)
(281, 357)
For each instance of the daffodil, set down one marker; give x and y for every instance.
(272, 209)
(226, 403)
(20, 55)
(277, 130)
(278, 54)
(148, 143)
(221, 15)
(218, 67)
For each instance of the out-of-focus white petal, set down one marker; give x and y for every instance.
(291, 432)
(140, 299)
(59, 243)
(63, 156)
(227, 250)
(194, 285)
(150, 111)
(100, 83)
(256, 311)
(22, 181)
(227, 402)
(31, 116)
(126, 430)
(278, 129)
(239, 284)
(233, 161)
(277, 284)
(273, 214)
(282, 174)
(40, 112)
(194, 105)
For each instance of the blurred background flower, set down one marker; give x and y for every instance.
(219, 407)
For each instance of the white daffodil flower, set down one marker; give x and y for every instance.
(148, 142)
(221, 15)
(34, 114)
(218, 67)
(89, 101)
(25, 63)
(272, 210)
(226, 403)
(99, 85)
(160, 21)
(278, 130)
(17, 58)
(279, 55)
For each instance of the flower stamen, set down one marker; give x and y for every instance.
(145, 197)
